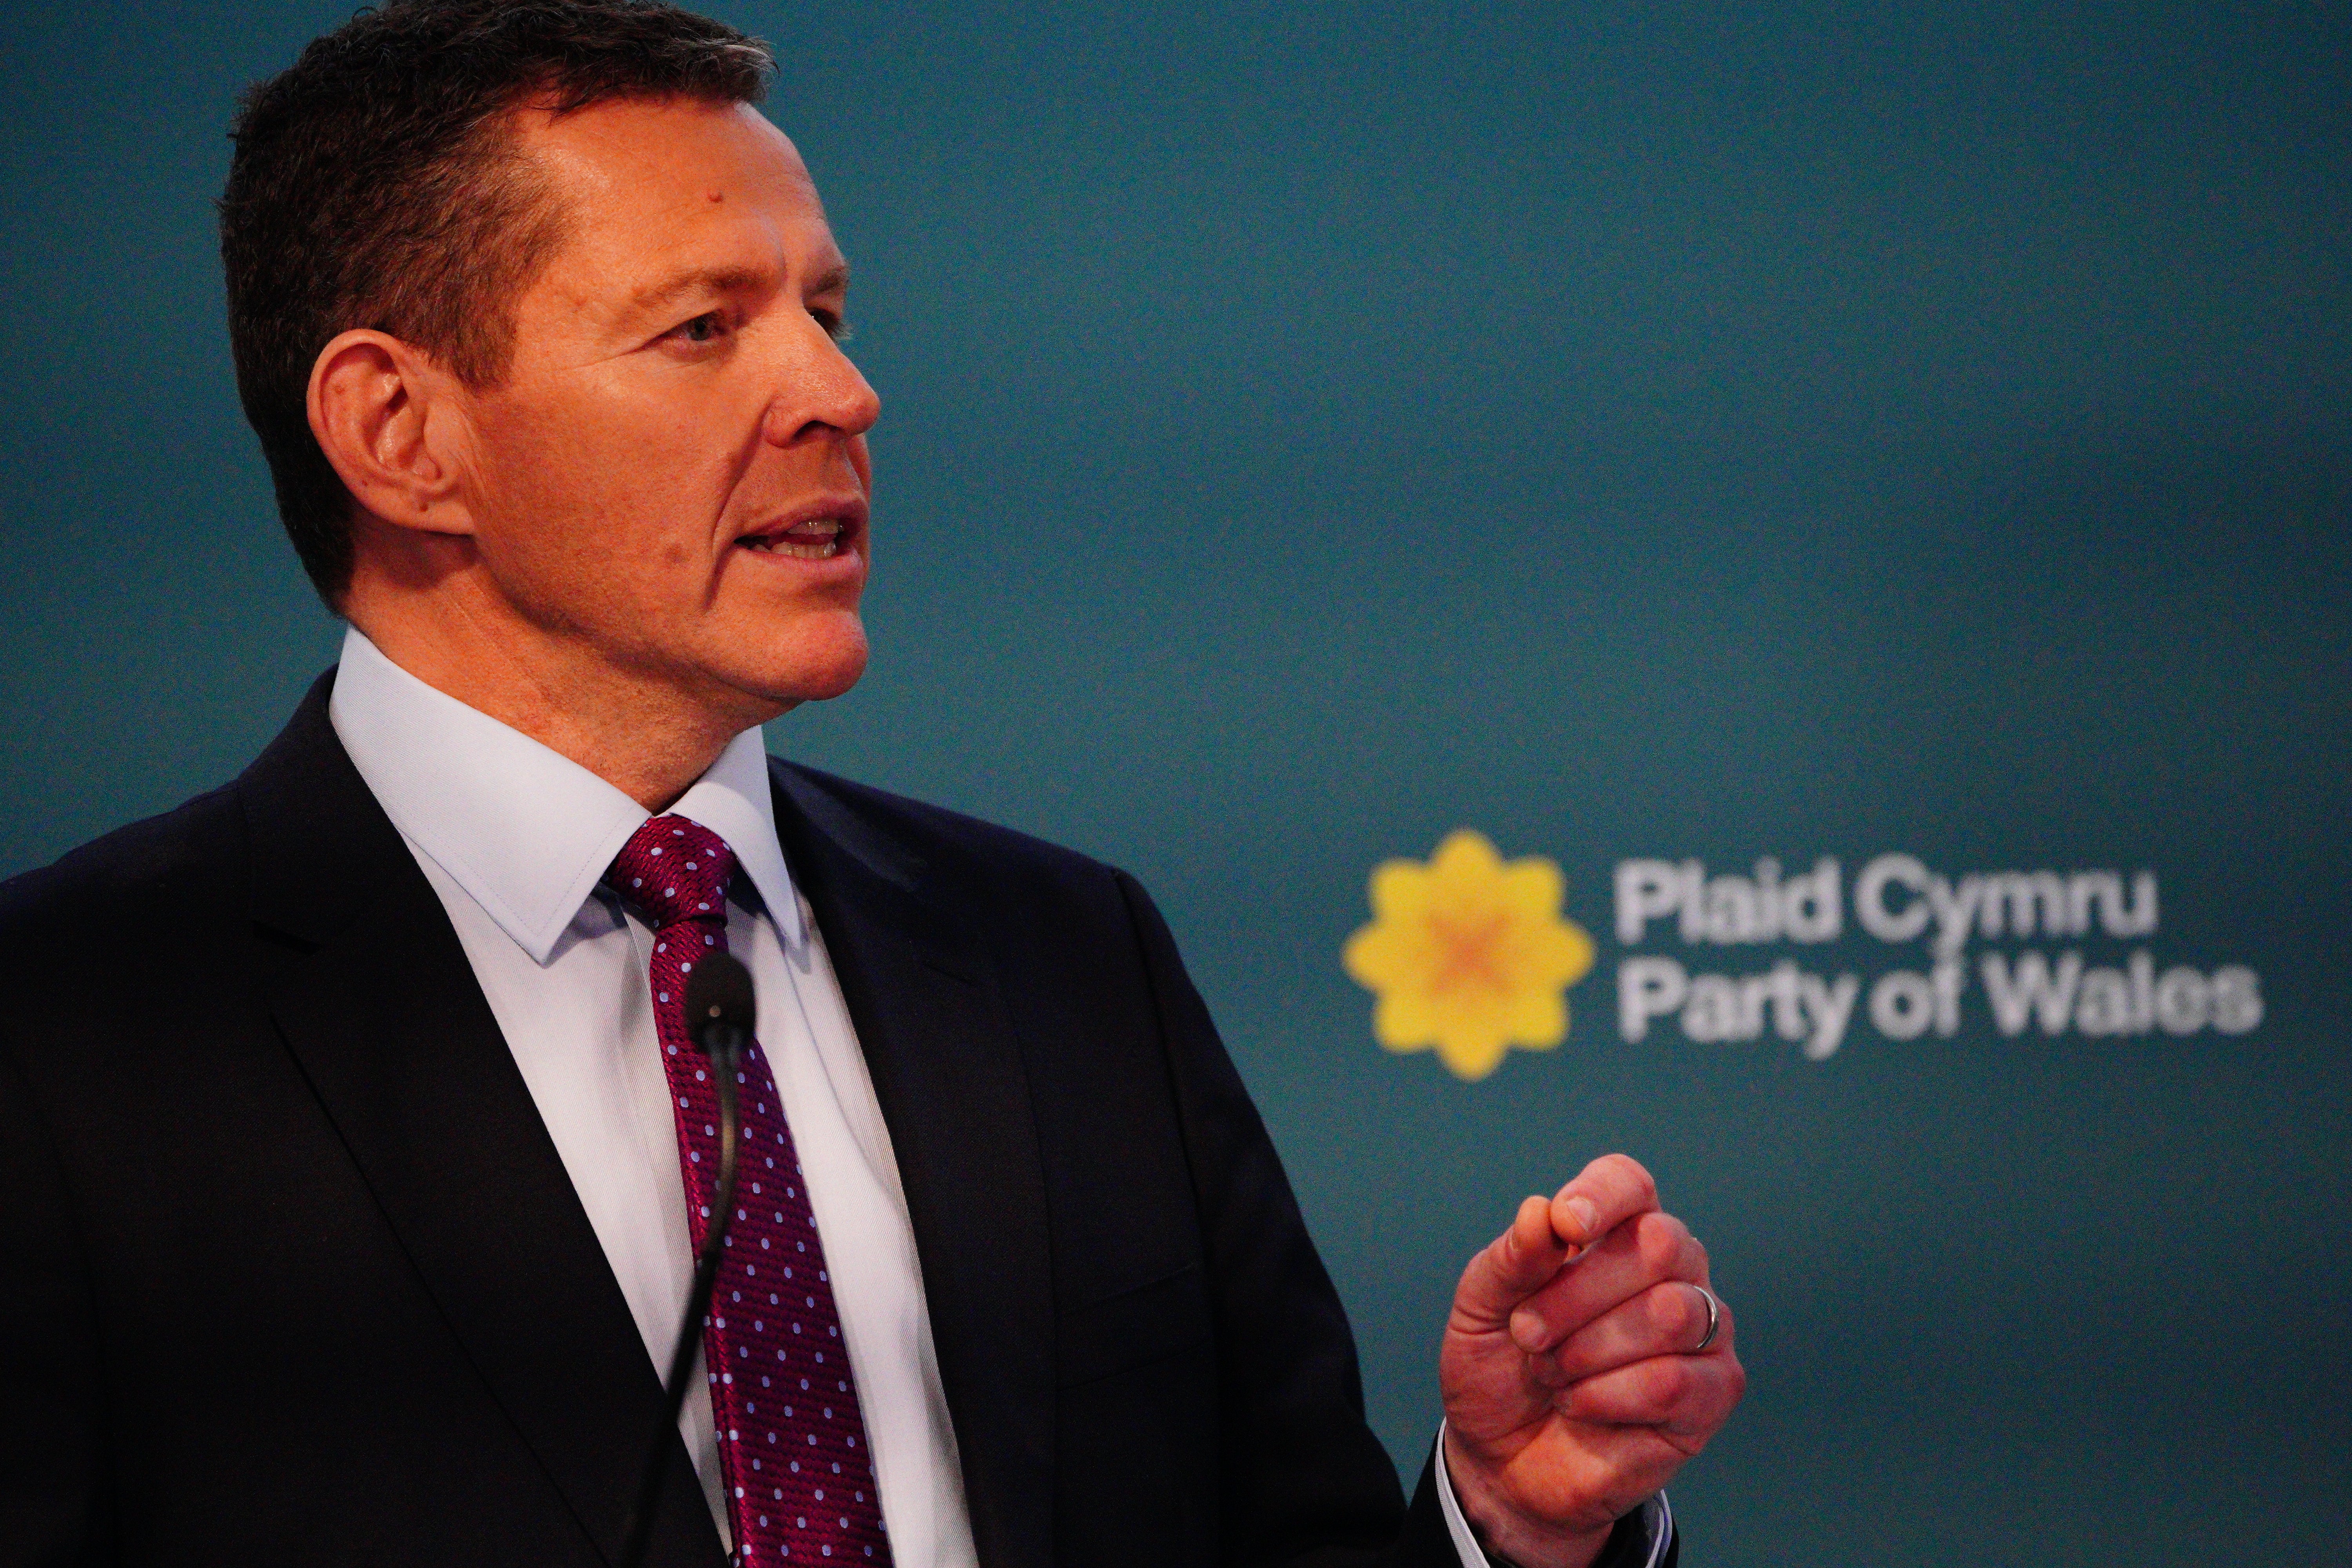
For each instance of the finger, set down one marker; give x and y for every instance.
(1604, 1196)
(1668, 1319)
(1687, 1397)
(1512, 1266)
(1652, 1248)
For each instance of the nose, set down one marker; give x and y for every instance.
(820, 396)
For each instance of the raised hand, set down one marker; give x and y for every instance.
(1585, 1359)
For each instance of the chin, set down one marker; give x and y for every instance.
(815, 663)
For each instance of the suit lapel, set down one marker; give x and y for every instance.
(383, 1014)
(947, 1068)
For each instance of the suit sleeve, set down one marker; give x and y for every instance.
(50, 1465)
(1303, 1480)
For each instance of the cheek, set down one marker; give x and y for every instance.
(617, 496)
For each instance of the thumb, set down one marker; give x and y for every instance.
(1513, 1266)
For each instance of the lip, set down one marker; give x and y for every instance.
(845, 566)
(849, 510)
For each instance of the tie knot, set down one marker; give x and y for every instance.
(673, 871)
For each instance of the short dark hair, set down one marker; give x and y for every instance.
(376, 183)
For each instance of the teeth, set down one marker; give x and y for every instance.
(816, 539)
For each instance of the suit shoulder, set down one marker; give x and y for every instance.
(162, 868)
(937, 833)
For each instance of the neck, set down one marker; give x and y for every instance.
(638, 732)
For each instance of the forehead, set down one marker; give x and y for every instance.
(642, 181)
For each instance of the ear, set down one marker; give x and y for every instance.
(388, 419)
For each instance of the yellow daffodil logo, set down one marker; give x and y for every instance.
(1469, 955)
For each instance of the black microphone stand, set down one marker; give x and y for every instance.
(719, 1015)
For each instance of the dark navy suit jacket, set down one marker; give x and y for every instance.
(290, 1271)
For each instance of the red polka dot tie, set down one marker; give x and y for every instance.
(791, 1442)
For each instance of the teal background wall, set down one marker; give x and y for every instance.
(1661, 432)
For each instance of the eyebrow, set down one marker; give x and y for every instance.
(728, 280)
(701, 279)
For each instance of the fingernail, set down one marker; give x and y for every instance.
(1527, 1331)
(1585, 1214)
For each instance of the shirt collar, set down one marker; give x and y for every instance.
(527, 832)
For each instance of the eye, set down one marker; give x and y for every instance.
(706, 328)
(830, 319)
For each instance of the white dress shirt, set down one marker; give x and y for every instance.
(515, 839)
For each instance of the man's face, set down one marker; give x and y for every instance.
(672, 478)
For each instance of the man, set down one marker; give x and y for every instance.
(354, 1145)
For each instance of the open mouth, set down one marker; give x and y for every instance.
(818, 539)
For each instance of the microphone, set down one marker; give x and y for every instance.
(719, 1012)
